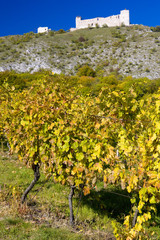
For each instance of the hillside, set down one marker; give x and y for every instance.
(130, 50)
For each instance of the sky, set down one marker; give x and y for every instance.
(22, 16)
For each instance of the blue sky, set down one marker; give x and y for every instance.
(22, 16)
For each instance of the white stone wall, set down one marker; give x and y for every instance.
(42, 29)
(72, 29)
(112, 21)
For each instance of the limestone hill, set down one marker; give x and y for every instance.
(133, 50)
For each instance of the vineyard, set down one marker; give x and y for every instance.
(80, 133)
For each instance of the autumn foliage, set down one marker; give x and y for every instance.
(112, 137)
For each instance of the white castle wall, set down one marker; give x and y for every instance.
(42, 29)
(112, 21)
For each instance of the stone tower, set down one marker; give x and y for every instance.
(78, 21)
(124, 17)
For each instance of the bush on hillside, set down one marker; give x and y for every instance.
(86, 71)
(155, 29)
(51, 33)
(81, 39)
(61, 31)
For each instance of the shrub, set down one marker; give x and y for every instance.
(86, 80)
(122, 25)
(155, 29)
(110, 80)
(81, 39)
(153, 50)
(61, 31)
(105, 25)
(51, 33)
(86, 71)
(97, 26)
(147, 70)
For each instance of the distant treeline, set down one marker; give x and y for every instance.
(86, 78)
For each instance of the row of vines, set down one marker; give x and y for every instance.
(113, 137)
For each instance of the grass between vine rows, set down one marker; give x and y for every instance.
(46, 213)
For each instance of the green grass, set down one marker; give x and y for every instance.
(46, 214)
(47, 211)
(18, 229)
(13, 172)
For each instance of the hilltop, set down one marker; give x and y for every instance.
(133, 50)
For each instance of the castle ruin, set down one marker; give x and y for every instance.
(112, 21)
(43, 30)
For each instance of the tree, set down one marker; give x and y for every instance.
(86, 71)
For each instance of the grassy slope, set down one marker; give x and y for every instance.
(133, 50)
